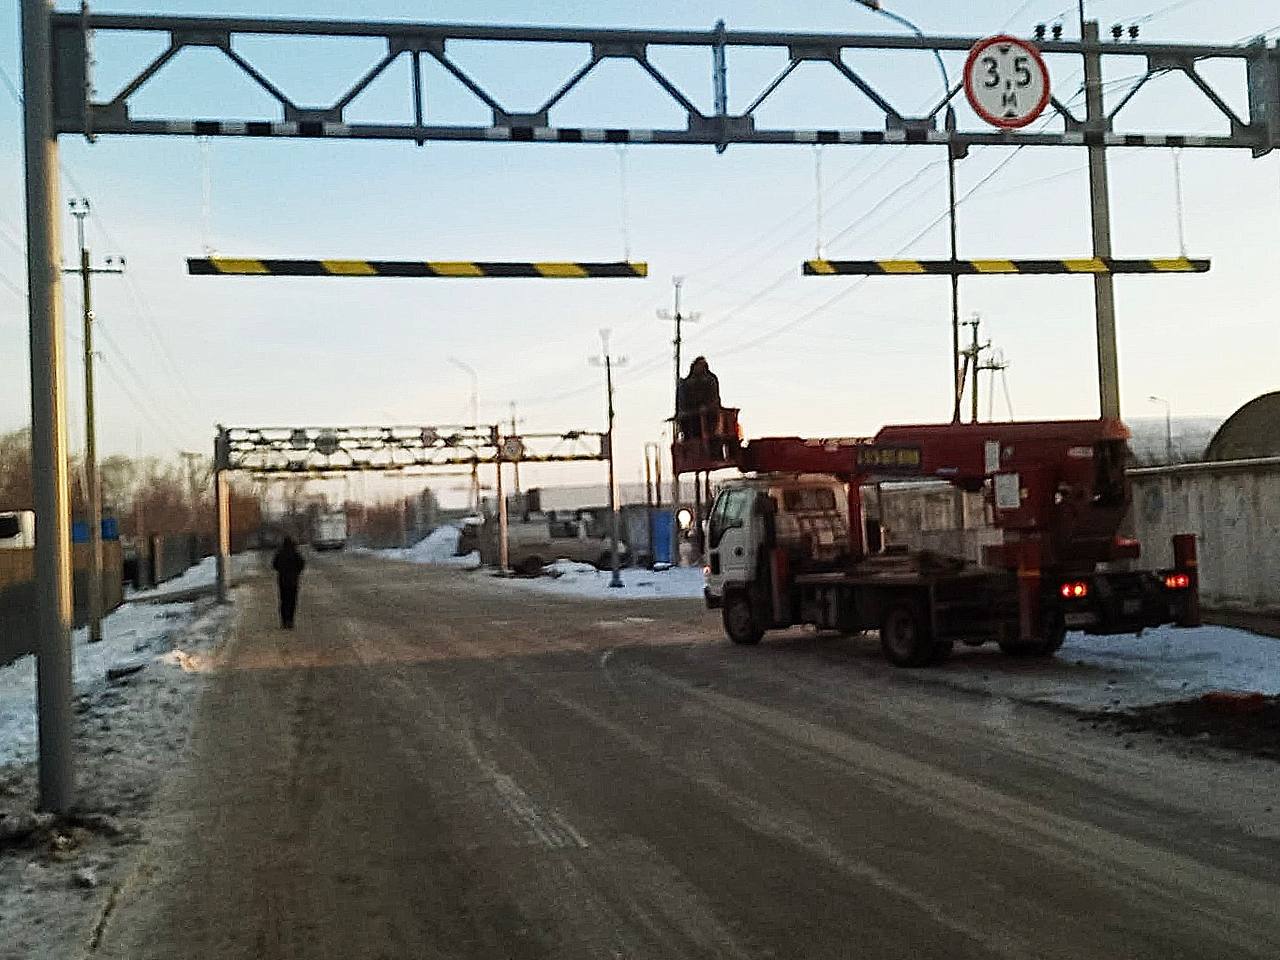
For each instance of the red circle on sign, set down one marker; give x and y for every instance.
(1006, 122)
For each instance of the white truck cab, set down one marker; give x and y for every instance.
(806, 515)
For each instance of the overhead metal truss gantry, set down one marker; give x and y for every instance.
(76, 110)
(60, 98)
(322, 452)
(327, 450)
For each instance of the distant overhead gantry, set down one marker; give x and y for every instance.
(327, 450)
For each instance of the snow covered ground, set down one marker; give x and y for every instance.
(1119, 673)
(570, 579)
(201, 575)
(135, 632)
(58, 874)
(437, 549)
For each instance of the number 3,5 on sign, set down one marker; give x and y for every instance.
(1006, 81)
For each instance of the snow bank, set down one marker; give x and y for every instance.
(129, 631)
(568, 578)
(437, 549)
(203, 574)
(1118, 673)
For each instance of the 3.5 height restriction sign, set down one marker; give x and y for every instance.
(1006, 81)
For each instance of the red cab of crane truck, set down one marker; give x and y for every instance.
(787, 547)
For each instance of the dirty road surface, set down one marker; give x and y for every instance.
(435, 764)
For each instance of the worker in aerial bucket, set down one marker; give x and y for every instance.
(698, 400)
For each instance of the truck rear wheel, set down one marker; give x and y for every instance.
(905, 635)
(1053, 633)
(740, 622)
(530, 566)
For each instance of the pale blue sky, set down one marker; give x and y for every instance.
(325, 351)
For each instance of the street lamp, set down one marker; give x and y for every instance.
(949, 121)
(1168, 427)
(470, 371)
(607, 361)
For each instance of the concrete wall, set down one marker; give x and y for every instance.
(1233, 507)
(17, 593)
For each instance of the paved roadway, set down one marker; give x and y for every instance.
(439, 765)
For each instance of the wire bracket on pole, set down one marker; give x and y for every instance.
(1083, 265)
(549, 270)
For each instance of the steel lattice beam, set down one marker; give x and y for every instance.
(1259, 131)
(316, 451)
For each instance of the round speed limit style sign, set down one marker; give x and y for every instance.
(1006, 81)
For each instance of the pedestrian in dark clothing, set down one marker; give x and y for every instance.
(288, 564)
(698, 398)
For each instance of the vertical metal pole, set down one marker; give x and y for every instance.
(675, 432)
(48, 415)
(92, 478)
(657, 475)
(615, 580)
(1100, 208)
(222, 505)
(648, 477)
(957, 376)
(1168, 433)
(515, 464)
(976, 348)
(504, 544)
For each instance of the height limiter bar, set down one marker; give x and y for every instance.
(992, 267)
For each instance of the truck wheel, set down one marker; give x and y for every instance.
(530, 566)
(905, 636)
(740, 623)
(1053, 632)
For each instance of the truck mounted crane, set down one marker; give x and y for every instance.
(788, 543)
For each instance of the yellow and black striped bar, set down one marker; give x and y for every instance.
(252, 267)
(946, 268)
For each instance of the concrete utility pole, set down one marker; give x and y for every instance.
(48, 415)
(1104, 299)
(607, 360)
(221, 509)
(504, 521)
(80, 210)
(515, 464)
(1168, 427)
(972, 364)
(679, 318)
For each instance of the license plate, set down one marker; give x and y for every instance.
(1132, 607)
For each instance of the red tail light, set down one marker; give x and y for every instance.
(1074, 590)
(1177, 581)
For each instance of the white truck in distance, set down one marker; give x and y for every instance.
(330, 531)
(17, 530)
